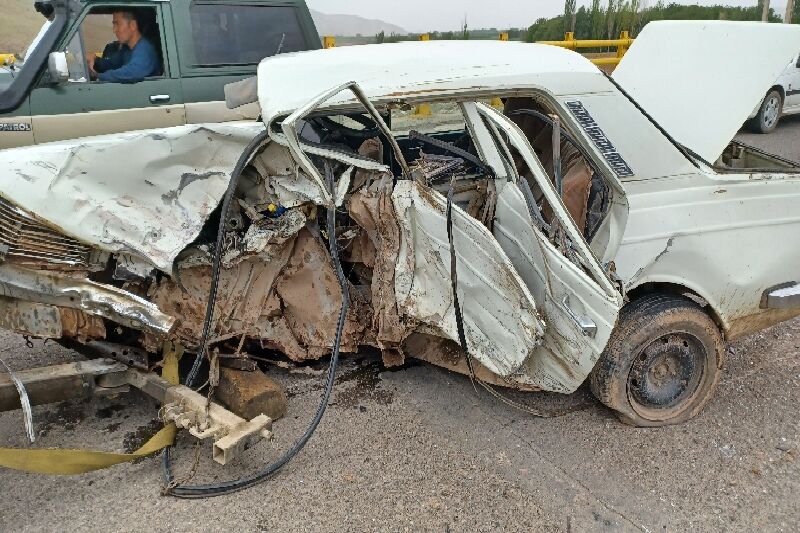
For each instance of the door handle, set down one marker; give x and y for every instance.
(586, 324)
(157, 98)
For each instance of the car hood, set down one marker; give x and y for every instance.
(701, 79)
(146, 192)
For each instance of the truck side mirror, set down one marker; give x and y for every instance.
(58, 68)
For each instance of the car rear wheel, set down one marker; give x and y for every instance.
(662, 363)
(769, 114)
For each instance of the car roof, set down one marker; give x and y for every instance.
(415, 70)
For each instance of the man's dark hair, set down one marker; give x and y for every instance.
(127, 14)
(45, 8)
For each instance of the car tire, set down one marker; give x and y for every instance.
(769, 113)
(662, 362)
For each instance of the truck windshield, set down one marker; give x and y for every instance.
(28, 52)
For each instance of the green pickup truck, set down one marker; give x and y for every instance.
(203, 45)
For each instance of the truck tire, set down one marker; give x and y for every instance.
(662, 362)
(770, 112)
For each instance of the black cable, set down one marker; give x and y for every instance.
(688, 154)
(244, 159)
(462, 338)
(228, 487)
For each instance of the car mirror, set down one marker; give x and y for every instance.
(58, 68)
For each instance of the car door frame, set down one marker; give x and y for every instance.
(580, 303)
(79, 109)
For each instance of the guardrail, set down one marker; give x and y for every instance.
(622, 44)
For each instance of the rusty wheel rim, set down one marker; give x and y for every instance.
(666, 376)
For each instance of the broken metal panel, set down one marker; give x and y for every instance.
(567, 354)
(291, 128)
(518, 140)
(448, 354)
(246, 286)
(372, 209)
(311, 299)
(27, 241)
(147, 192)
(88, 296)
(81, 326)
(30, 318)
(500, 317)
(48, 321)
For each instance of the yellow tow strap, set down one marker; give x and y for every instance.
(70, 462)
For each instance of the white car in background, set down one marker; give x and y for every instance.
(783, 98)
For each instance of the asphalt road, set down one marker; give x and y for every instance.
(418, 449)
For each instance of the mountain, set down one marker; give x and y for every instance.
(350, 25)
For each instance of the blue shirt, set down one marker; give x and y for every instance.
(129, 65)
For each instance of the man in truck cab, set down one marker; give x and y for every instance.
(136, 58)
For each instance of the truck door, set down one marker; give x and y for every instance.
(223, 42)
(82, 107)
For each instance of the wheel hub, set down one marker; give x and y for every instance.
(665, 374)
(771, 111)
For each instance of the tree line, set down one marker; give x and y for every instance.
(605, 20)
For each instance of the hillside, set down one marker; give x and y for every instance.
(329, 24)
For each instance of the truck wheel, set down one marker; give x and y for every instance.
(662, 363)
(767, 117)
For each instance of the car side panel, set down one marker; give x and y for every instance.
(726, 237)
(791, 85)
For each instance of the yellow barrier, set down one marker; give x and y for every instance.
(7, 59)
(423, 110)
(329, 41)
(622, 44)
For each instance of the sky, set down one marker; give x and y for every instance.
(445, 15)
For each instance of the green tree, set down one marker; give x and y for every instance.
(583, 24)
(598, 20)
(569, 15)
(380, 38)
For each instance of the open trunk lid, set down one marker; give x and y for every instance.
(700, 80)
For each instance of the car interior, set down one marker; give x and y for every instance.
(439, 146)
(99, 38)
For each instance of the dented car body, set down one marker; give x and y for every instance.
(579, 206)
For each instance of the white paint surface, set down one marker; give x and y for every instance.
(701, 79)
(147, 192)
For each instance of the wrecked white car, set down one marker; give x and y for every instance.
(600, 228)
